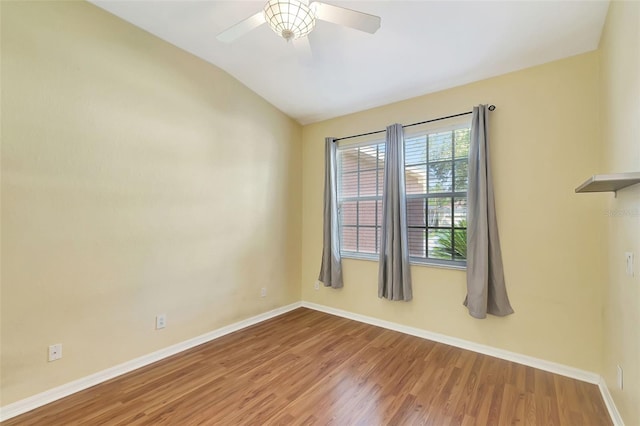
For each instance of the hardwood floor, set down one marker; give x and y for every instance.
(307, 367)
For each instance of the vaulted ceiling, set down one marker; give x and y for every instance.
(421, 47)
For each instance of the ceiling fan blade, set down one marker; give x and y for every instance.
(303, 50)
(241, 28)
(347, 17)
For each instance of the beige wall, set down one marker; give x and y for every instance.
(545, 141)
(620, 112)
(136, 180)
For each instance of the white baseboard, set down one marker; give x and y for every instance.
(552, 367)
(575, 373)
(38, 400)
(33, 402)
(616, 418)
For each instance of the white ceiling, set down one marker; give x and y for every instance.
(421, 47)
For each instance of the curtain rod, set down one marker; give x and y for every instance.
(491, 108)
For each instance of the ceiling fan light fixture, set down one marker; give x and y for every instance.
(290, 19)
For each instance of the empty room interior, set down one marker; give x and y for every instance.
(292, 212)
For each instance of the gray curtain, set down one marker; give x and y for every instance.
(394, 277)
(486, 290)
(331, 268)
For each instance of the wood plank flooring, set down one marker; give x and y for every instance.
(307, 367)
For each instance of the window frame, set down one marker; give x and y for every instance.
(377, 226)
(443, 263)
(430, 262)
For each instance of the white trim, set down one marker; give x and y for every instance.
(372, 140)
(413, 261)
(35, 401)
(552, 367)
(432, 127)
(616, 418)
(38, 400)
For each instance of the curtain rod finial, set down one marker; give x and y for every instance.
(492, 107)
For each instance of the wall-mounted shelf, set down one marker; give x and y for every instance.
(609, 183)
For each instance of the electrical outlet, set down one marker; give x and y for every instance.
(317, 285)
(55, 352)
(161, 321)
(263, 292)
(629, 258)
(620, 378)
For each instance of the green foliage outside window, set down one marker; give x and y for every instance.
(454, 244)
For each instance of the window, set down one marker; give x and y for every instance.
(436, 172)
(436, 183)
(360, 180)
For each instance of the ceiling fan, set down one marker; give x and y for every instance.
(292, 19)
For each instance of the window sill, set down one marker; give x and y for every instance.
(444, 265)
(412, 261)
